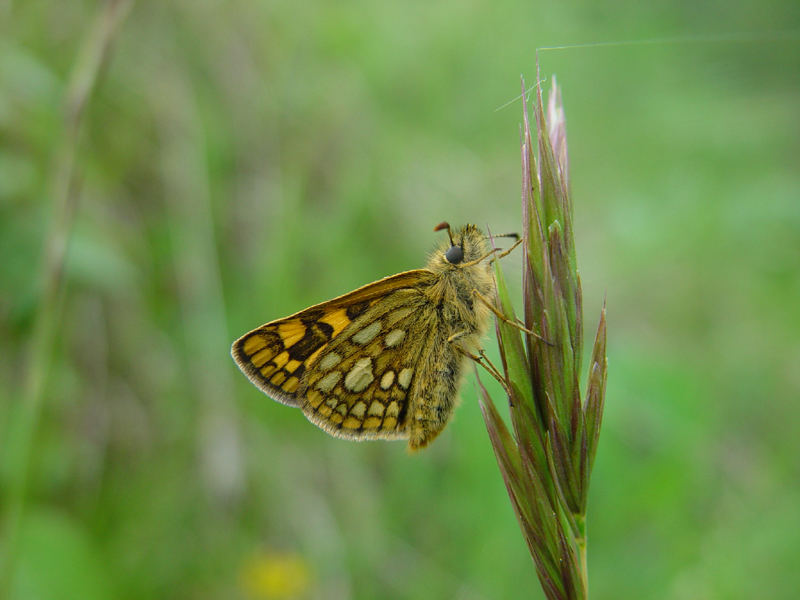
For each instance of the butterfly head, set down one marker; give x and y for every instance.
(463, 245)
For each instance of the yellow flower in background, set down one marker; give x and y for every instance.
(275, 576)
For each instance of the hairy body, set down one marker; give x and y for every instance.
(386, 360)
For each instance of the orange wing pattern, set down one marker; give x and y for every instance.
(278, 356)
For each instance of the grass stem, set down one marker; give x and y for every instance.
(64, 193)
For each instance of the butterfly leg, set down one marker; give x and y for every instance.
(490, 305)
(507, 252)
(491, 252)
(479, 358)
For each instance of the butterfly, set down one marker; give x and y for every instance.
(384, 361)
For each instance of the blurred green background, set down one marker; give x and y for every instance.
(241, 160)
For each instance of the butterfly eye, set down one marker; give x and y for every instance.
(454, 255)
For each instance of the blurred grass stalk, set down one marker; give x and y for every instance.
(547, 460)
(64, 188)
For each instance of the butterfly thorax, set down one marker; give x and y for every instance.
(454, 292)
(383, 361)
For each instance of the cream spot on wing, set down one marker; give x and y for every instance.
(360, 376)
(358, 410)
(341, 409)
(327, 383)
(376, 409)
(330, 360)
(367, 334)
(387, 380)
(394, 337)
(404, 379)
(392, 410)
(398, 315)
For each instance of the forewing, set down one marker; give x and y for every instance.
(279, 356)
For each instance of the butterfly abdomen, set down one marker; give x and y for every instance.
(384, 361)
(435, 393)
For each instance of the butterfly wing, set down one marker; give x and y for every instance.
(281, 357)
(362, 384)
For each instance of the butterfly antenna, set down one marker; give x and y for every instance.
(445, 225)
